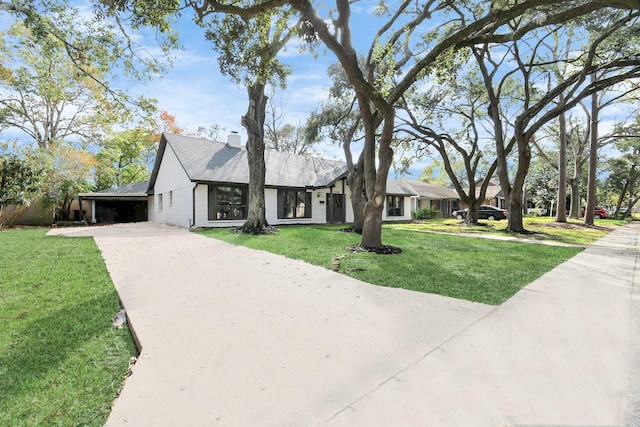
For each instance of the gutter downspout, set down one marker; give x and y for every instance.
(344, 204)
(193, 206)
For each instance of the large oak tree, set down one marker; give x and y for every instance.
(413, 40)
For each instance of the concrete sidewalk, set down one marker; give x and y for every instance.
(238, 337)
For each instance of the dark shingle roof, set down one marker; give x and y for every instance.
(133, 188)
(431, 191)
(212, 161)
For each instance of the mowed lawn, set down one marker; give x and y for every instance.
(473, 269)
(61, 360)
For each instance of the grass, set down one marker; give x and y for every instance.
(61, 360)
(473, 269)
(541, 228)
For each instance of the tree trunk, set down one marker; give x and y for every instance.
(472, 212)
(514, 197)
(355, 179)
(358, 201)
(574, 207)
(253, 122)
(593, 160)
(372, 227)
(561, 214)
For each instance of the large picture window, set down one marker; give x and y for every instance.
(227, 202)
(395, 205)
(294, 204)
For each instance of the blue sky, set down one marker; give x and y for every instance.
(197, 94)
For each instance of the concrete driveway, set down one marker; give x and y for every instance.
(238, 337)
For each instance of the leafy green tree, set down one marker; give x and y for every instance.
(21, 179)
(624, 171)
(125, 158)
(44, 95)
(449, 118)
(536, 107)
(541, 186)
(394, 52)
(69, 172)
(436, 174)
(414, 41)
(248, 46)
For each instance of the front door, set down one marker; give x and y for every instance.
(335, 208)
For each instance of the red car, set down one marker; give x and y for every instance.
(598, 213)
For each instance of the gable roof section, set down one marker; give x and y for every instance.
(213, 161)
(398, 187)
(493, 189)
(430, 191)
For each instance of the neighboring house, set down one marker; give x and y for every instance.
(492, 197)
(128, 203)
(442, 199)
(201, 183)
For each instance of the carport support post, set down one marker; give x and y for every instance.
(93, 211)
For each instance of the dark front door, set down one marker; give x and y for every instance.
(335, 208)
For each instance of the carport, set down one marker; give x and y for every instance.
(117, 205)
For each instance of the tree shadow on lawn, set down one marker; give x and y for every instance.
(43, 344)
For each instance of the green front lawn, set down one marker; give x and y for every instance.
(479, 270)
(541, 228)
(61, 360)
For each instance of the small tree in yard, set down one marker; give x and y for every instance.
(21, 177)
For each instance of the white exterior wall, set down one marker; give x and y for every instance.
(318, 209)
(176, 190)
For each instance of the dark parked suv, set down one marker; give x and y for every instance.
(485, 212)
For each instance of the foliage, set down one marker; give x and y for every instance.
(414, 42)
(69, 172)
(169, 124)
(125, 158)
(450, 118)
(101, 46)
(435, 173)
(623, 179)
(424, 213)
(57, 173)
(20, 177)
(248, 47)
(461, 267)
(47, 98)
(542, 183)
(61, 360)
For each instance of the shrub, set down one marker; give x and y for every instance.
(424, 213)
